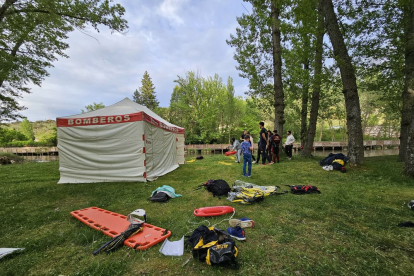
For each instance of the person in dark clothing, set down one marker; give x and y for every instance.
(263, 144)
(243, 134)
(276, 146)
(269, 147)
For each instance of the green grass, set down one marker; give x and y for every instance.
(349, 229)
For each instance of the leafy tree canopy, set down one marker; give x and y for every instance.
(209, 111)
(32, 37)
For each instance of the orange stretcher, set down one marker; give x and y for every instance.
(113, 224)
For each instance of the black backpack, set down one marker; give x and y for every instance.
(217, 187)
(160, 197)
(304, 189)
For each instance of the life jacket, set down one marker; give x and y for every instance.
(338, 164)
(276, 140)
(213, 246)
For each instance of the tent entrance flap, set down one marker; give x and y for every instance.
(161, 151)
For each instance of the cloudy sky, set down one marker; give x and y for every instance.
(167, 38)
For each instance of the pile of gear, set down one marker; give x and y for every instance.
(248, 193)
(217, 247)
(163, 194)
(334, 161)
(208, 244)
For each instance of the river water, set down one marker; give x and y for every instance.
(41, 158)
(367, 153)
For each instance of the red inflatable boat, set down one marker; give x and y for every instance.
(213, 211)
(230, 153)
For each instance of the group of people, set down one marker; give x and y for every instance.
(268, 148)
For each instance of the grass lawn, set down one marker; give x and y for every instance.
(348, 229)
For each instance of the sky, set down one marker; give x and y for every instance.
(167, 38)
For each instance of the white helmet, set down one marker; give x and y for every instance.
(411, 204)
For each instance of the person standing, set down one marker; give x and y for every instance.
(269, 147)
(289, 144)
(236, 147)
(243, 134)
(276, 146)
(252, 143)
(247, 148)
(263, 144)
(258, 152)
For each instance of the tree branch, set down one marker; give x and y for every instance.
(47, 12)
(3, 9)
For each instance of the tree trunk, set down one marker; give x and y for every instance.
(406, 112)
(277, 69)
(350, 89)
(305, 99)
(405, 123)
(310, 136)
(409, 86)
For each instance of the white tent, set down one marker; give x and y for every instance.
(122, 142)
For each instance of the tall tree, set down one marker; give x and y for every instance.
(208, 110)
(350, 89)
(230, 108)
(194, 106)
(145, 94)
(27, 129)
(279, 97)
(32, 35)
(408, 96)
(376, 38)
(258, 52)
(310, 136)
(298, 58)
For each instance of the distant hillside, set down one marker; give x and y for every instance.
(41, 129)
